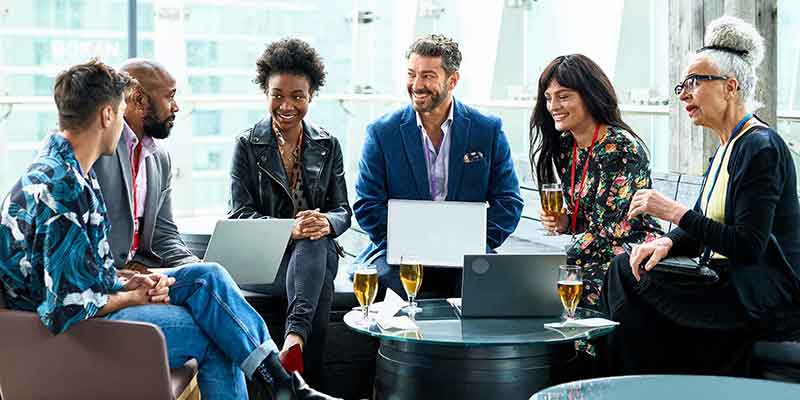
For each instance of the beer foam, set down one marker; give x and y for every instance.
(367, 272)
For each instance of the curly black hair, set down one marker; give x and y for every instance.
(293, 56)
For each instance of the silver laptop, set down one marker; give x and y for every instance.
(438, 233)
(250, 249)
(511, 285)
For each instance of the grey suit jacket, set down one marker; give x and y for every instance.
(160, 244)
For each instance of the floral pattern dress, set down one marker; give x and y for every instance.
(618, 168)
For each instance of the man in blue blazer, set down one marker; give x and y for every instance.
(437, 148)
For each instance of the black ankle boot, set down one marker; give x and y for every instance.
(279, 385)
(273, 380)
(305, 392)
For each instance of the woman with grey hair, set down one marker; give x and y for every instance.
(743, 227)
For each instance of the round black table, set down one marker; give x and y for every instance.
(448, 357)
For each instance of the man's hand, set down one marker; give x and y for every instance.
(139, 289)
(311, 224)
(154, 286)
(137, 267)
(160, 293)
(139, 280)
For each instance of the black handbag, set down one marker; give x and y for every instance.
(682, 269)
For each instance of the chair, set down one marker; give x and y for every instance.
(97, 358)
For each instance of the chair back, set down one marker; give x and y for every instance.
(96, 358)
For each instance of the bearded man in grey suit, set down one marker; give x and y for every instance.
(136, 179)
(234, 342)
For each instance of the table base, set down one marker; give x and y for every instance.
(427, 371)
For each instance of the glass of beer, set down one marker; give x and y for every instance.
(552, 201)
(365, 287)
(411, 277)
(570, 288)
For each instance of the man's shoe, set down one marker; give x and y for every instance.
(272, 380)
(279, 385)
(304, 392)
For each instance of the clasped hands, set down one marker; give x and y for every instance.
(151, 288)
(311, 224)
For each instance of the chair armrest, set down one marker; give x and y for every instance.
(96, 358)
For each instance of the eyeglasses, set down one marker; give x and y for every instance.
(690, 83)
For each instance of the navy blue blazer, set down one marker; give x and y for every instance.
(392, 166)
(760, 236)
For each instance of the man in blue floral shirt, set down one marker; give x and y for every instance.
(72, 225)
(55, 258)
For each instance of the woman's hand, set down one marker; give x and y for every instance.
(299, 222)
(648, 201)
(311, 224)
(657, 250)
(554, 223)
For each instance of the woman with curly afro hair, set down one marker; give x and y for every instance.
(286, 167)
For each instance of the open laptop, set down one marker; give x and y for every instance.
(511, 285)
(438, 233)
(250, 249)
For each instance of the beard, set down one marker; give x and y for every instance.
(435, 99)
(155, 128)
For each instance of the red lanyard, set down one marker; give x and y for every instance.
(136, 160)
(576, 195)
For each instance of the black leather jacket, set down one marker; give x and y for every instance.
(260, 187)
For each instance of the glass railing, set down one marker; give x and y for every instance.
(203, 138)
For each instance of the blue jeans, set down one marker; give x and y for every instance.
(210, 321)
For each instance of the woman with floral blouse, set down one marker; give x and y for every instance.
(582, 142)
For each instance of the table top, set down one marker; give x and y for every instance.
(658, 387)
(439, 323)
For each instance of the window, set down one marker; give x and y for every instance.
(211, 47)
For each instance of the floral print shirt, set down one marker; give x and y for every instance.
(618, 168)
(54, 254)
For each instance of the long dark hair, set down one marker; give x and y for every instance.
(581, 74)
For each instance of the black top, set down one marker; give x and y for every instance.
(761, 233)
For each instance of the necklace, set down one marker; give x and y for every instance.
(291, 161)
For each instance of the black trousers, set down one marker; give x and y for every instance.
(308, 269)
(667, 326)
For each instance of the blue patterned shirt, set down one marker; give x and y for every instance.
(54, 254)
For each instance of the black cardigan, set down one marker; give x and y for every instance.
(761, 233)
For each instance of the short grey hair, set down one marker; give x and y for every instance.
(733, 33)
(438, 46)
